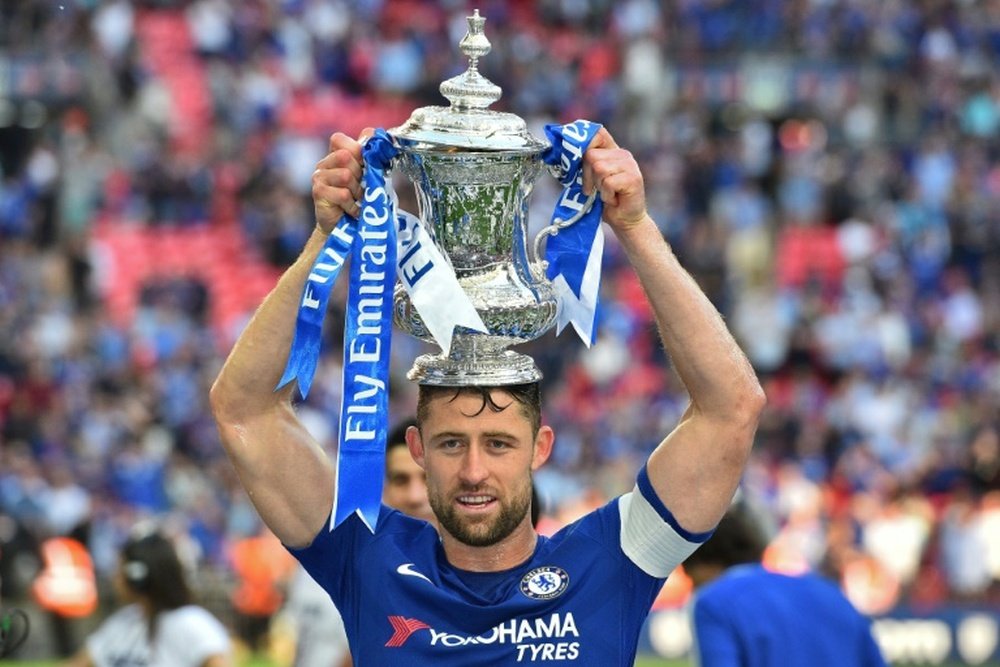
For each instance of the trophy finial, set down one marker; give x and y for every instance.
(471, 90)
(475, 45)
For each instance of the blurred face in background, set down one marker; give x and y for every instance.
(405, 486)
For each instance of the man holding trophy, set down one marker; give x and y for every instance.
(484, 588)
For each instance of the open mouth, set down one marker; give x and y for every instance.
(476, 502)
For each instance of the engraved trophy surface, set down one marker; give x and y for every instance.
(473, 170)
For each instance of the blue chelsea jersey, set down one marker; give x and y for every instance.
(580, 599)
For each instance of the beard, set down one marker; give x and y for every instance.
(485, 532)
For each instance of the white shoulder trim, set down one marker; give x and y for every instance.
(648, 540)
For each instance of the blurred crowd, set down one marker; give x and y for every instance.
(827, 170)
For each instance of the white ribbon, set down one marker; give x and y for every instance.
(580, 311)
(431, 283)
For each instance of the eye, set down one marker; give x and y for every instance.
(498, 444)
(450, 445)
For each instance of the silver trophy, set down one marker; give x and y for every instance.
(473, 170)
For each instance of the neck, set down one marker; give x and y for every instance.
(509, 552)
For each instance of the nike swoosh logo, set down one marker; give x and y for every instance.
(407, 569)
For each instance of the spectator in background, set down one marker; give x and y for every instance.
(159, 625)
(746, 616)
(405, 487)
(262, 569)
(965, 548)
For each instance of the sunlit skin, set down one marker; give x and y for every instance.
(478, 465)
(405, 487)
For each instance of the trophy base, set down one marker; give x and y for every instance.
(504, 368)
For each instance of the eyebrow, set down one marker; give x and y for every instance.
(486, 434)
(500, 434)
(447, 434)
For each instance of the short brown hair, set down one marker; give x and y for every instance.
(527, 396)
(397, 434)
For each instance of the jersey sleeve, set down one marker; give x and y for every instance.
(650, 535)
(330, 558)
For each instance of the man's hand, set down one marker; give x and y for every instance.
(336, 183)
(615, 174)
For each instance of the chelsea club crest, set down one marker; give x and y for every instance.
(545, 583)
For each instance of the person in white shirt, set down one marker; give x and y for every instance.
(159, 626)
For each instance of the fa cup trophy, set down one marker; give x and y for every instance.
(473, 170)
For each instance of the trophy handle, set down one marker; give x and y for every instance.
(558, 224)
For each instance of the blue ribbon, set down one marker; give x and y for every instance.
(364, 410)
(304, 353)
(370, 239)
(569, 252)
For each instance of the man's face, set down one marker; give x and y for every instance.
(405, 486)
(478, 464)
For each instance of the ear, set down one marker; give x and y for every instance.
(543, 447)
(415, 444)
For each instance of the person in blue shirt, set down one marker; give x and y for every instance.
(746, 616)
(483, 588)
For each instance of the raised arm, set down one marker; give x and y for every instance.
(696, 469)
(287, 475)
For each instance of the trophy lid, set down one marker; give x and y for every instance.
(468, 124)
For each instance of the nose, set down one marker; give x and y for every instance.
(473, 471)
